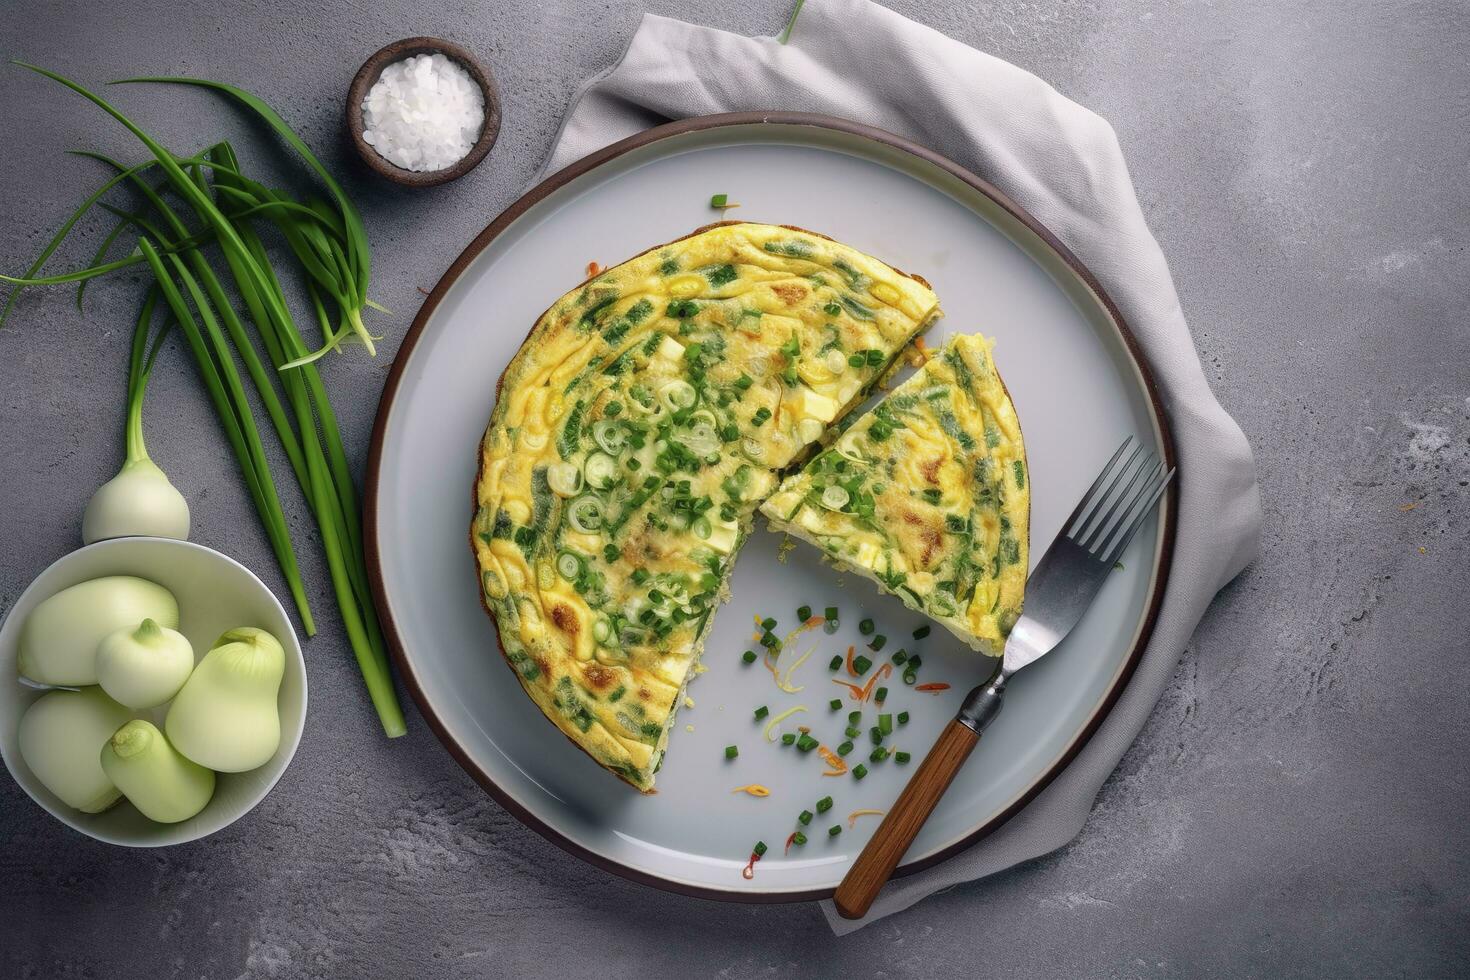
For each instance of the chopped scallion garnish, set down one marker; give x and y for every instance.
(798, 838)
(859, 771)
(899, 656)
(854, 717)
(768, 624)
(719, 201)
(803, 614)
(877, 643)
(866, 627)
(876, 734)
(788, 739)
(835, 664)
(761, 712)
(759, 849)
(861, 665)
(903, 717)
(748, 656)
(806, 743)
(909, 677)
(878, 754)
(835, 704)
(852, 731)
(731, 751)
(880, 695)
(834, 830)
(805, 817)
(901, 758)
(824, 804)
(844, 748)
(921, 632)
(885, 724)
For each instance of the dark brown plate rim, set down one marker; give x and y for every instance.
(591, 162)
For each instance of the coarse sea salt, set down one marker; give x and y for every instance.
(423, 113)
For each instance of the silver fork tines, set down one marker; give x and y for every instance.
(1080, 559)
(1117, 502)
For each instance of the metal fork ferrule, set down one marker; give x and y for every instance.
(983, 704)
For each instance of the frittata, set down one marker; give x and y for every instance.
(643, 420)
(928, 495)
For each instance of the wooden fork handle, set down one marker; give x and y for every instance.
(899, 828)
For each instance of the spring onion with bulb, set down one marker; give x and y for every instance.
(330, 258)
(140, 500)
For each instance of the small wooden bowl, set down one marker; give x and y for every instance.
(369, 73)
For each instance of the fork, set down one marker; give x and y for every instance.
(1069, 577)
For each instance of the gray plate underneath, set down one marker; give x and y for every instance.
(1077, 390)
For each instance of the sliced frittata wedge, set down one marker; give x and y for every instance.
(643, 419)
(927, 495)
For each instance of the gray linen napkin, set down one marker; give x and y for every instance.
(1062, 163)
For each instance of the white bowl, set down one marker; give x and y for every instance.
(215, 594)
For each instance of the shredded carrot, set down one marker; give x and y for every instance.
(749, 870)
(832, 759)
(851, 670)
(932, 688)
(789, 841)
(856, 693)
(593, 269)
(882, 672)
(852, 817)
(804, 729)
(754, 789)
(810, 624)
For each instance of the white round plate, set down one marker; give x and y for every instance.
(215, 593)
(1078, 388)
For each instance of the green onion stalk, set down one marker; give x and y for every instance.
(330, 247)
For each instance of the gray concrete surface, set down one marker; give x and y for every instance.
(1294, 808)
